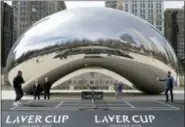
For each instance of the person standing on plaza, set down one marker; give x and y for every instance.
(36, 90)
(47, 87)
(169, 82)
(118, 89)
(17, 84)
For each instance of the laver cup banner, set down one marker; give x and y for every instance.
(87, 118)
(88, 95)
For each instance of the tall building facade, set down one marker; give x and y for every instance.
(114, 4)
(151, 11)
(174, 32)
(27, 13)
(6, 31)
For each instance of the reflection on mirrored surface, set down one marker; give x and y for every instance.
(93, 37)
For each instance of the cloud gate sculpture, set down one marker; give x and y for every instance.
(74, 39)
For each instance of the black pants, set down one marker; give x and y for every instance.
(36, 95)
(19, 94)
(46, 94)
(171, 93)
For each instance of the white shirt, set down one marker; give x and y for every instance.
(36, 84)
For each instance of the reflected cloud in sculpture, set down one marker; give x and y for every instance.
(100, 37)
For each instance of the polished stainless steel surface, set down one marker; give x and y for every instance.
(93, 37)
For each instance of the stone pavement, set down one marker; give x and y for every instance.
(58, 94)
(106, 113)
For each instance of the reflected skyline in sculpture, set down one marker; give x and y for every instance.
(98, 36)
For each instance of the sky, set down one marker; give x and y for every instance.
(77, 4)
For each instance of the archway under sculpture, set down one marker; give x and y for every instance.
(96, 70)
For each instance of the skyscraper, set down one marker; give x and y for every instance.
(6, 31)
(151, 11)
(114, 4)
(174, 31)
(27, 13)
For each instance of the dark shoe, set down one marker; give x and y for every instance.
(166, 101)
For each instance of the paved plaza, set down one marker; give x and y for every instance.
(68, 112)
(49, 105)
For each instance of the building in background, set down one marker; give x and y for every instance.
(27, 13)
(151, 11)
(6, 31)
(114, 4)
(174, 32)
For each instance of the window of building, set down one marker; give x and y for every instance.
(158, 16)
(144, 16)
(156, 5)
(126, 5)
(141, 5)
(144, 5)
(159, 5)
(151, 10)
(135, 5)
(81, 82)
(135, 11)
(91, 82)
(159, 10)
(159, 28)
(126, 10)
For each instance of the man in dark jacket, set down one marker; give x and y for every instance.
(36, 90)
(47, 87)
(17, 82)
(169, 82)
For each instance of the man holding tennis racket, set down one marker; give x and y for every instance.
(17, 84)
(169, 83)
